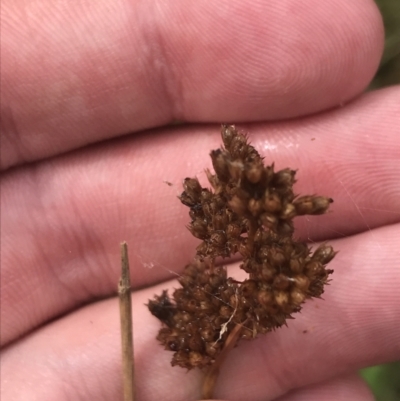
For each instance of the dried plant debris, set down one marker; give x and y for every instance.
(249, 210)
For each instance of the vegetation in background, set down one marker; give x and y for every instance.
(384, 380)
(389, 70)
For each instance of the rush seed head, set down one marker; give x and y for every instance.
(250, 211)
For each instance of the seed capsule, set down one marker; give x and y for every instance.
(195, 358)
(248, 266)
(218, 238)
(198, 228)
(272, 202)
(244, 249)
(233, 230)
(248, 288)
(202, 249)
(238, 205)
(216, 280)
(268, 273)
(302, 282)
(172, 344)
(269, 220)
(276, 257)
(235, 170)
(220, 164)
(162, 308)
(288, 212)
(181, 358)
(206, 306)
(312, 205)
(324, 254)
(284, 178)
(199, 294)
(297, 296)
(255, 206)
(238, 147)
(281, 282)
(225, 311)
(265, 298)
(285, 228)
(207, 334)
(296, 265)
(254, 173)
(228, 132)
(190, 305)
(188, 200)
(196, 343)
(282, 298)
(314, 268)
(212, 178)
(220, 221)
(192, 187)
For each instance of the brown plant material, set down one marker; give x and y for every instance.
(249, 210)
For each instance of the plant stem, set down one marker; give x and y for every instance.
(212, 374)
(125, 308)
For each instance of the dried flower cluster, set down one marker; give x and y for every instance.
(250, 211)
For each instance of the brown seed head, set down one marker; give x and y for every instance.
(249, 210)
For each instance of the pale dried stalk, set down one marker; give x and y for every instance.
(125, 308)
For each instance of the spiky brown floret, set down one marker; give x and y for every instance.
(249, 210)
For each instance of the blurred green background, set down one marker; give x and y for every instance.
(389, 70)
(384, 380)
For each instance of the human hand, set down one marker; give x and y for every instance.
(86, 73)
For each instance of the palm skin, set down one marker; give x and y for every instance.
(74, 79)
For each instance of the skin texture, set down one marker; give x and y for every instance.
(87, 91)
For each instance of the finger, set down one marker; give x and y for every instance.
(66, 217)
(348, 387)
(94, 71)
(78, 356)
